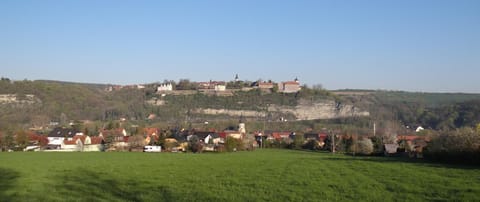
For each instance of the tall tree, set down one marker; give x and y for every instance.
(21, 139)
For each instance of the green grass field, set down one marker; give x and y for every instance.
(262, 175)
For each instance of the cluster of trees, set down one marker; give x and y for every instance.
(459, 146)
(18, 140)
(230, 144)
(433, 111)
(362, 145)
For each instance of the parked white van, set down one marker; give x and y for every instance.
(152, 149)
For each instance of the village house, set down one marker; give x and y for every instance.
(58, 135)
(212, 85)
(414, 144)
(319, 137)
(220, 87)
(289, 86)
(231, 133)
(207, 137)
(279, 135)
(151, 135)
(84, 143)
(165, 87)
(117, 139)
(266, 85)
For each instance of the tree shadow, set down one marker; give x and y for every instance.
(8, 178)
(423, 162)
(86, 185)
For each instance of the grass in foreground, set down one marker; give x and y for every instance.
(263, 175)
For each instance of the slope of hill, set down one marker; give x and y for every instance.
(35, 103)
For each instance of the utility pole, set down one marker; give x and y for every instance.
(264, 124)
(333, 142)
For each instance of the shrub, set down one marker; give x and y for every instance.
(233, 144)
(363, 146)
(458, 146)
(298, 142)
(170, 145)
(377, 145)
(194, 144)
(312, 145)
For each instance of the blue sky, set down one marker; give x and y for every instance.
(417, 45)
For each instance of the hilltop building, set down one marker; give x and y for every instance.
(289, 86)
(165, 87)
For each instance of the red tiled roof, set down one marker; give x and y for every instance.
(322, 136)
(96, 140)
(282, 134)
(291, 83)
(69, 142)
(265, 85)
(93, 140)
(412, 137)
(224, 134)
(276, 136)
(151, 131)
(113, 132)
(74, 140)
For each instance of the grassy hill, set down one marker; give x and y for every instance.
(262, 175)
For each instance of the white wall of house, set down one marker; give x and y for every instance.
(88, 140)
(235, 135)
(220, 87)
(92, 147)
(165, 87)
(55, 140)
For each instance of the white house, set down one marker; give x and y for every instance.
(58, 135)
(420, 128)
(165, 87)
(220, 87)
(83, 143)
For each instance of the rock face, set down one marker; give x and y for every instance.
(303, 111)
(18, 99)
(322, 110)
(247, 113)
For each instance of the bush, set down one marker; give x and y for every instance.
(298, 142)
(377, 145)
(458, 146)
(194, 144)
(170, 145)
(233, 144)
(363, 146)
(312, 145)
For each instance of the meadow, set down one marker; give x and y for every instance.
(262, 175)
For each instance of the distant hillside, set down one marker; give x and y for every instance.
(35, 103)
(90, 85)
(62, 102)
(431, 110)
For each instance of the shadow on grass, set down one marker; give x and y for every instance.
(7, 181)
(87, 185)
(424, 162)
